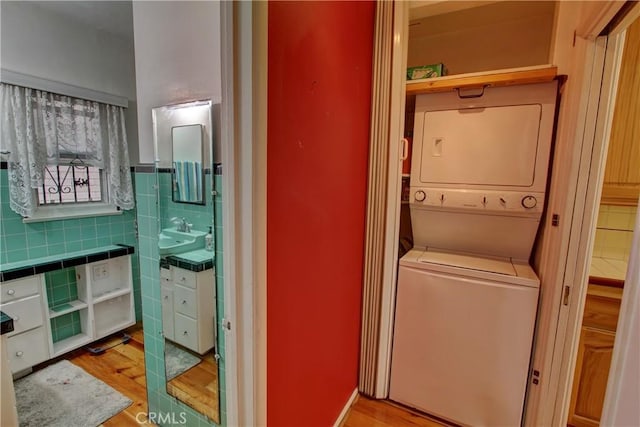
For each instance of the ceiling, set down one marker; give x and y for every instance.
(114, 17)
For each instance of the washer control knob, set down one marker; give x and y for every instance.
(529, 202)
(420, 196)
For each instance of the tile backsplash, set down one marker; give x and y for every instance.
(614, 231)
(198, 215)
(21, 242)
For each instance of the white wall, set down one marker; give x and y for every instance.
(45, 44)
(489, 37)
(177, 48)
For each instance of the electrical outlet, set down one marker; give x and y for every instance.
(100, 271)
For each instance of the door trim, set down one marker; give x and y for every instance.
(392, 222)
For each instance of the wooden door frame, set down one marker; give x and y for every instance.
(243, 110)
(601, 99)
(394, 182)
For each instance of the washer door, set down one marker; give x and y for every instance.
(461, 347)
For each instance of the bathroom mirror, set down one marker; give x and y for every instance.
(188, 286)
(188, 173)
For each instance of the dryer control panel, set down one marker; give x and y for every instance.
(478, 200)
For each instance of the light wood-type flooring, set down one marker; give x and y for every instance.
(367, 412)
(122, 367)
(198, 388)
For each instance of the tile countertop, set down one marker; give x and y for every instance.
(6, 323)
(608, 268)
(30, 267)
(197, 260)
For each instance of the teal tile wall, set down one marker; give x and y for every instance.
(198, 215)
(62, 286)
(65, 326)
(149, 226)
(20, 242)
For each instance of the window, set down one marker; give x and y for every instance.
(67, 156)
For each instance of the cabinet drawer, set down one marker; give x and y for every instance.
(26, 313)
(184, 277)
(165, 273)
(20, 288)
(186, 332)
(27, 349)
(184, 301)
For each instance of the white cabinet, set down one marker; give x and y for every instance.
(166, 294)
(104, 305)
(21, 299)
(188, 308)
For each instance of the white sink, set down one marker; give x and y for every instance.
(172, 241)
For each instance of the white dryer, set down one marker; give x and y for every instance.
(466, 297)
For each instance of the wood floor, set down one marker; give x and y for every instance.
(367, 412)
(198, 388)
(122, 367)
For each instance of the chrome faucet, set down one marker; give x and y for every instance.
(181, 224)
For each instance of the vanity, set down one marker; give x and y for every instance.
(187, 287)
(61, 303)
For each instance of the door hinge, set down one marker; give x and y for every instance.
(555, 220)
(574, 38)
(565, 297)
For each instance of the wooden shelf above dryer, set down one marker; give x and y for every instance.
(509, 77)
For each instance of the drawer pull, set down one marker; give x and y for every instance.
(166, 297)
(183, 279)
(184, 301)
(11, 292)
(16, 318)
(19, 353)
(185, 333)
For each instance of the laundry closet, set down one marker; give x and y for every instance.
(473, 196)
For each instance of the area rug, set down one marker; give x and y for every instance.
(64, 395)
(177, 360)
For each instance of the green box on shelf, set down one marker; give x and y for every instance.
(425, 71)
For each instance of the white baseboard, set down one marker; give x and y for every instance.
(346, 408)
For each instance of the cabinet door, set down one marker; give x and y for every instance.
(590, 381)
(166, 293)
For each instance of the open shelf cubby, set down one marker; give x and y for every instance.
(70, 331)
(88, 302)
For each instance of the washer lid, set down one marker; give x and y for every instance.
(472, 262)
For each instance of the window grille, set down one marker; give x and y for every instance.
(71, 183)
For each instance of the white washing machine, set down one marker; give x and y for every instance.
(463, 334)
(466, 296)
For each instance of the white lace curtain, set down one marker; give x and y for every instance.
(38, 128)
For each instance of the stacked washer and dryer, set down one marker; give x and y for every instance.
(466, 296)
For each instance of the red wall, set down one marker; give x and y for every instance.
(319, 100)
